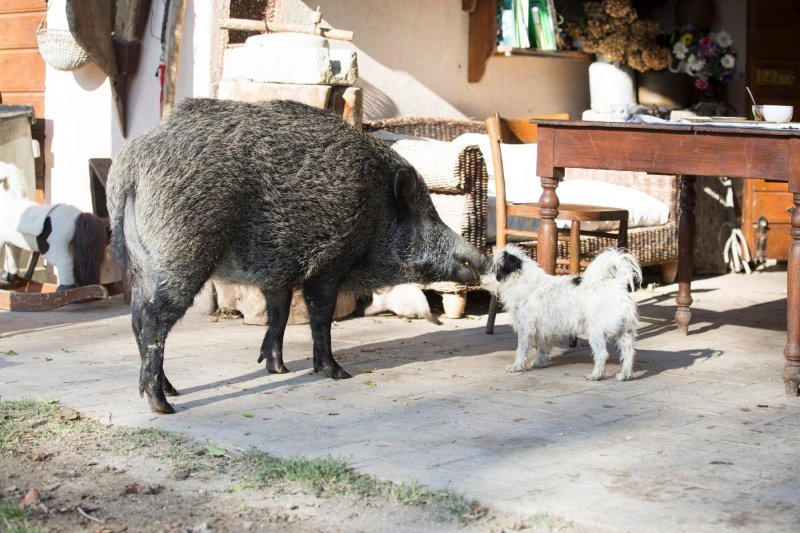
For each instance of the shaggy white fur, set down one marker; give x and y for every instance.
(404, 300)
(599, 304)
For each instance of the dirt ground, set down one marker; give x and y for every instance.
(60, 472)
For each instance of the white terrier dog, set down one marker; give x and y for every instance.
(599, 304)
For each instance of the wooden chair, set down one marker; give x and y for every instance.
(521, 131)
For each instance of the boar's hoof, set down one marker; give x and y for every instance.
(169, 390)
(160, 406)
(272, 368)
(155, 397)
(336, 372)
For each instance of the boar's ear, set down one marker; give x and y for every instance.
(405, 185)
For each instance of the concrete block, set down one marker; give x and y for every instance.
(290, 58)
(256, 91)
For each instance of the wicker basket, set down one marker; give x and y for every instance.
(59, 49)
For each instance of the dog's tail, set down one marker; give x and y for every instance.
(614, 264)
(88, 248)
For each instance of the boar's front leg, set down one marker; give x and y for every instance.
(278, 304)
(320, 297)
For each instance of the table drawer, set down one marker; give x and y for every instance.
(772, 186)
(773, 206)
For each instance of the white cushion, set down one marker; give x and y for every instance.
(392, 137)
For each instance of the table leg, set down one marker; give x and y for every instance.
(547, 245)
(686, 229)
(791, 369)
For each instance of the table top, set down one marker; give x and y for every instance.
(735, 128)
(670, 148)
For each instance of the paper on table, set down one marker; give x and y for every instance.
(729, 122)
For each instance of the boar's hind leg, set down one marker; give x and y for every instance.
(169, 390)
(278, 304)
(154, 320)
(320, 300)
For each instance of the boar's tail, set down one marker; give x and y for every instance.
(136, 254)
(128, 248)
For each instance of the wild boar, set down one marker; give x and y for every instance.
(274, 195)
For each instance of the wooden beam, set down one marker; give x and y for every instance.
(129, 27)
(264, 26)
(92, 23)
(176, 14)
(482, 38)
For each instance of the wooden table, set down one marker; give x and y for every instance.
(687, 150)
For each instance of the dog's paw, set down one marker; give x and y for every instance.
(594, 376)
(515, 368)
(623, 376)
(541, 363)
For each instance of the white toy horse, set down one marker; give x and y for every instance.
(72, 241)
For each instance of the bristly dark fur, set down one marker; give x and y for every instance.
(88, 248)
(276, 195)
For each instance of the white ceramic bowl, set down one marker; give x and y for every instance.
(776, 113)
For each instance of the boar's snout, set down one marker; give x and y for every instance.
(468, 265)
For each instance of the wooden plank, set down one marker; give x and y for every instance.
(665, 152)
(349, 103)
(19, 31)
(131, 19)
(778, 186)
(38, 297)
(92, 23)
(34, 98)
(262, 26)
(482, 38)
(255, 91)
(129, 27)
(21, 70)
(21, 6)
(177, 12)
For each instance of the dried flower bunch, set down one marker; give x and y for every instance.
(612, 29)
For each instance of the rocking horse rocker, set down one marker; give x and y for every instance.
(72, 241)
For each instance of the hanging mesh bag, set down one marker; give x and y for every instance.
(59, 49)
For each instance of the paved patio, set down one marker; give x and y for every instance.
(700, 440)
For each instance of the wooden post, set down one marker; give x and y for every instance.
(686, 230)
(129, 27)
(177, 11)
(791, 369)
(482, 36)
(547, 247)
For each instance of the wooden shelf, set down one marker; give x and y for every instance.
(574, 55)
(483, 40)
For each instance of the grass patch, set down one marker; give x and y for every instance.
(183, 452)
(23, 423)
(26, 424)
(328, 476)
(15, 520)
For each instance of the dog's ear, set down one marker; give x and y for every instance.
(508, 264)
